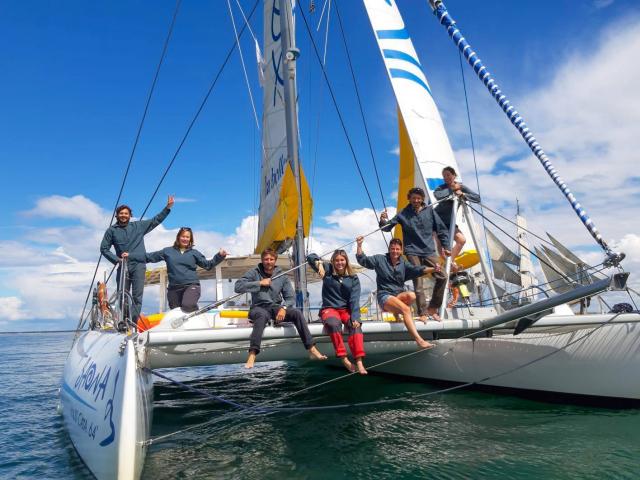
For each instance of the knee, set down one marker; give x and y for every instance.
(333, 324)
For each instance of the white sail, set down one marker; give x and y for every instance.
(499, 251)
(527, 276)
(429, 140)
(278, 190)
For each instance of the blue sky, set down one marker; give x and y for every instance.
(76, 75)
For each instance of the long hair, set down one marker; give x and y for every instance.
(347, 269)
(182, 230)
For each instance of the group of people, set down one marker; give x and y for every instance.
(272, 296)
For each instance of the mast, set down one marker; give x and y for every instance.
(289, 55)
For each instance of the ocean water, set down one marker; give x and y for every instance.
(462, 434)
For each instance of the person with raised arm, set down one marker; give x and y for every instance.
(419, 224)
(269, 289)
(341, 306)
(391, 272)
(127, 238)
(182, 259)
(444, 208)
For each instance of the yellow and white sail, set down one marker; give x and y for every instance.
(278, 211)
(424, 145)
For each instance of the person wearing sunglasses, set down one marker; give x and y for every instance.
(341, 306)
(182, 259)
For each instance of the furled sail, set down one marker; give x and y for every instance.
(278, 190)
(427, 150)
(499, 251)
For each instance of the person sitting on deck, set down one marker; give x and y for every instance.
(127, 238)
(182, 259)
(391, 273)
(444, 208)
(267, 294)
(341, 305)
(419, 222)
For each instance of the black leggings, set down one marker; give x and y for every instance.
(184, 296)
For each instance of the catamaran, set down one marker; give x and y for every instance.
(506, 339)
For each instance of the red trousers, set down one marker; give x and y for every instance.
(333, 319)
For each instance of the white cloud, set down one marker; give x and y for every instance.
(11, 308)
(77, 207)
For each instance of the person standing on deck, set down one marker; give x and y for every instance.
(391, 272)
(341, 305)
(444, 208)
(419, 222)
(128, 237)
(182, 259)
(267, 295)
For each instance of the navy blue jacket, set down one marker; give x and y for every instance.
(338, 291)
(129, 238)
(417, 230)
(279, 290)
(444, 208)
(390, 278)
(181, 266)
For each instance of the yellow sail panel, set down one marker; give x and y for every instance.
(282, 225)
(410, 175)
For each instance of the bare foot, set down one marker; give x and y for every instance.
(424, 318)
(435, 316)
(423, 344)
(361, 369)
(315, 354)
(251, 360)
(348, 365)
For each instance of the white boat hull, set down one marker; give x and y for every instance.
(571, 359)
(106, 402)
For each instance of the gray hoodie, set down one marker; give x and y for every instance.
(279, 290)
(129, 238)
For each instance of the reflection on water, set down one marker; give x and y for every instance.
(462, 434)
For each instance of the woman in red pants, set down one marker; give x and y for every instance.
(341, 305)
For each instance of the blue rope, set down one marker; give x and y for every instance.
(516, 119)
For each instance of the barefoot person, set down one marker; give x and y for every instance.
(267, 294)
(419, 222)
(444, 208)
(341, 305)
(182, 259)
(391, 273)
(127, 237)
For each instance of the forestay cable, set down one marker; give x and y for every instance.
(133, 148)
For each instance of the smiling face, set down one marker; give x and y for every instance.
(268, 263)
(123, 216)
(339, 263)
(448, 177)
(395, 251)
(184, 240)
(416, 201)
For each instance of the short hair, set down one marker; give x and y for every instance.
(176, 244)
(269, 251)
(451, 170)
(416, 191)
(122, 207)
(395, 241)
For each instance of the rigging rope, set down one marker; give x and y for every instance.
(199, 109)
(516, 119)
(133, 151)
(340, 118)
(362, 116)
(244, 69)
